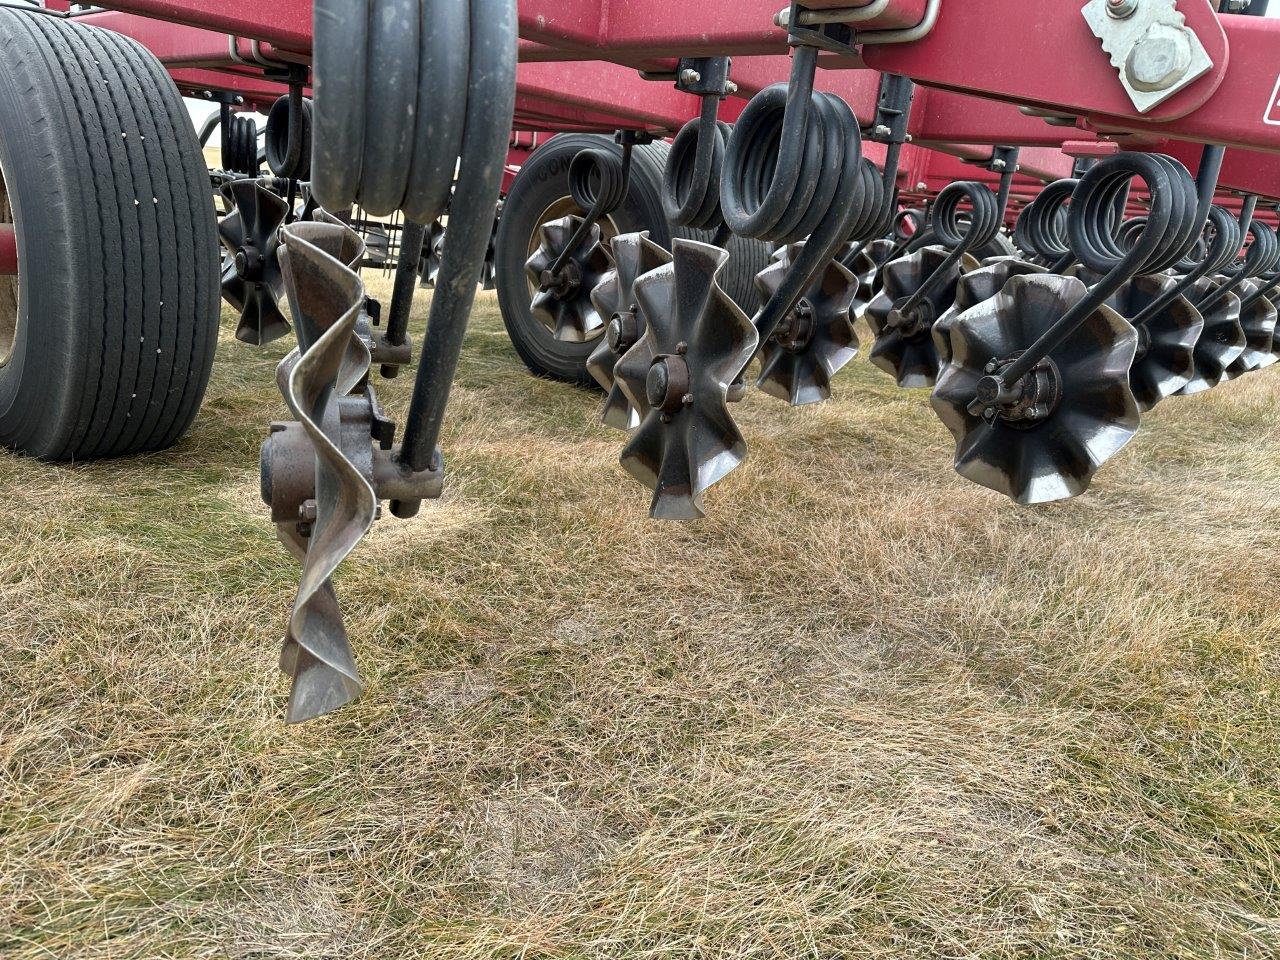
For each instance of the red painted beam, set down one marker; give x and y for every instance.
(1244, 170)
(1057, 64)
(176, 44)
(284, 23)
(8, 250)
(257, 92)
(1244, 110)
(620, 29)
(600, 89)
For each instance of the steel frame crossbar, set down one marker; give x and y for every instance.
(981, 61)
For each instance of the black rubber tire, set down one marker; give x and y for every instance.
(118, 252)
(544, 180)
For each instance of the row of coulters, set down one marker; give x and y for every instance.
(1041, 364)
(674, 349)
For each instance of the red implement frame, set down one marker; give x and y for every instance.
(979, 62)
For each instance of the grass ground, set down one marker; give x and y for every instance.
(862, 710)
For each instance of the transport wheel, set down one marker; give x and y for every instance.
(540, 195)
(107, 332)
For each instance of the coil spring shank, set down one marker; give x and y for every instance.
(691, 180)
(794, 169)
(1170, 233)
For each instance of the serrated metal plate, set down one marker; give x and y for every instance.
(1151, 21)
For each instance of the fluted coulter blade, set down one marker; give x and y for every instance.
(634, 255)
(251, 277)
(904, 346)
(325, 297)
(1045, 438)
(1221, 340)
(562, 303)
(696, 344)
(815, 339)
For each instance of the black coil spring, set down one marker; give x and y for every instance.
(398, 98)
(1261, 257)
(598, 180)
(874, 214)
(1171, 228)
(691, 179)
(598, 184)
(288, 137)
(1263, 254)
(966, 215)
(1222, 248)
(240, 146)
(793, 166)
(793, 170)
(916, 218)
(1041, 228)
(1215, 250)
(1132, 228)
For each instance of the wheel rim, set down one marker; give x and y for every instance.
(8, 286)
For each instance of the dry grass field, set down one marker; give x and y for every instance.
(863, 710)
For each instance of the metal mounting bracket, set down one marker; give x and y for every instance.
(1150, 45)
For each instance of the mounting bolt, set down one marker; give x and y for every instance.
(882, 131)
(1120, 9)
(690, 76)
(1160, 59)
(730, 87)
(998, 164)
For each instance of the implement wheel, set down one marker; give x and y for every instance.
(108, 329)
(540, 195)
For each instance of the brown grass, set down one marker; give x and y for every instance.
(862, 710)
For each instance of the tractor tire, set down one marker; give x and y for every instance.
(107, 334)
(540, 193)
